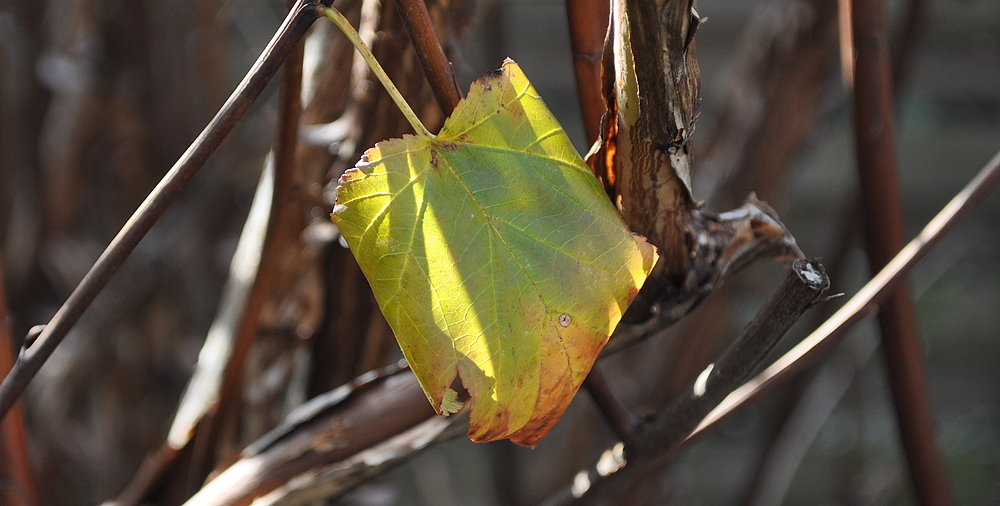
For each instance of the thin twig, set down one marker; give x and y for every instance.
(31, 358)
(846, 43)
(883, 211)
(625, 423)
(437, 68)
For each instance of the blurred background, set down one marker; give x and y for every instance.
(98, 98)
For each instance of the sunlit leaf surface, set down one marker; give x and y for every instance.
(495, 254)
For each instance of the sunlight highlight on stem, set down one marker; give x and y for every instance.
(352, 34)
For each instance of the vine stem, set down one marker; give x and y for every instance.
(352, 34)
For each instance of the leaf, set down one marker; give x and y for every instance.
(494, 254)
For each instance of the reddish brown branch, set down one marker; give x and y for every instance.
(883, 211)
(437, 68)
(31, 358)
(16, 476)
(588, 25)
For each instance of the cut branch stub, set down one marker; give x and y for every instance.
(652, 92)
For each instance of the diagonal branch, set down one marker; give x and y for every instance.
(864, 303)
(32, 357)
(804, 286)
(387, 406)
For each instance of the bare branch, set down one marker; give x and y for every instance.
(588, 25)
(437, 68)
(331, 481)
(883, 211)
(625, 423)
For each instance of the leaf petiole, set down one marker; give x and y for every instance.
(352, 34)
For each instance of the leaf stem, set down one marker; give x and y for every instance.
(352, 34)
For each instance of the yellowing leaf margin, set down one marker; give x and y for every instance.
(517, 298)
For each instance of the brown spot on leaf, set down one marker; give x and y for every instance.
(565, 320)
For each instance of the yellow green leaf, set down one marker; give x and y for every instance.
(494, 254)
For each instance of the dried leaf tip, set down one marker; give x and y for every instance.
(451, 404)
